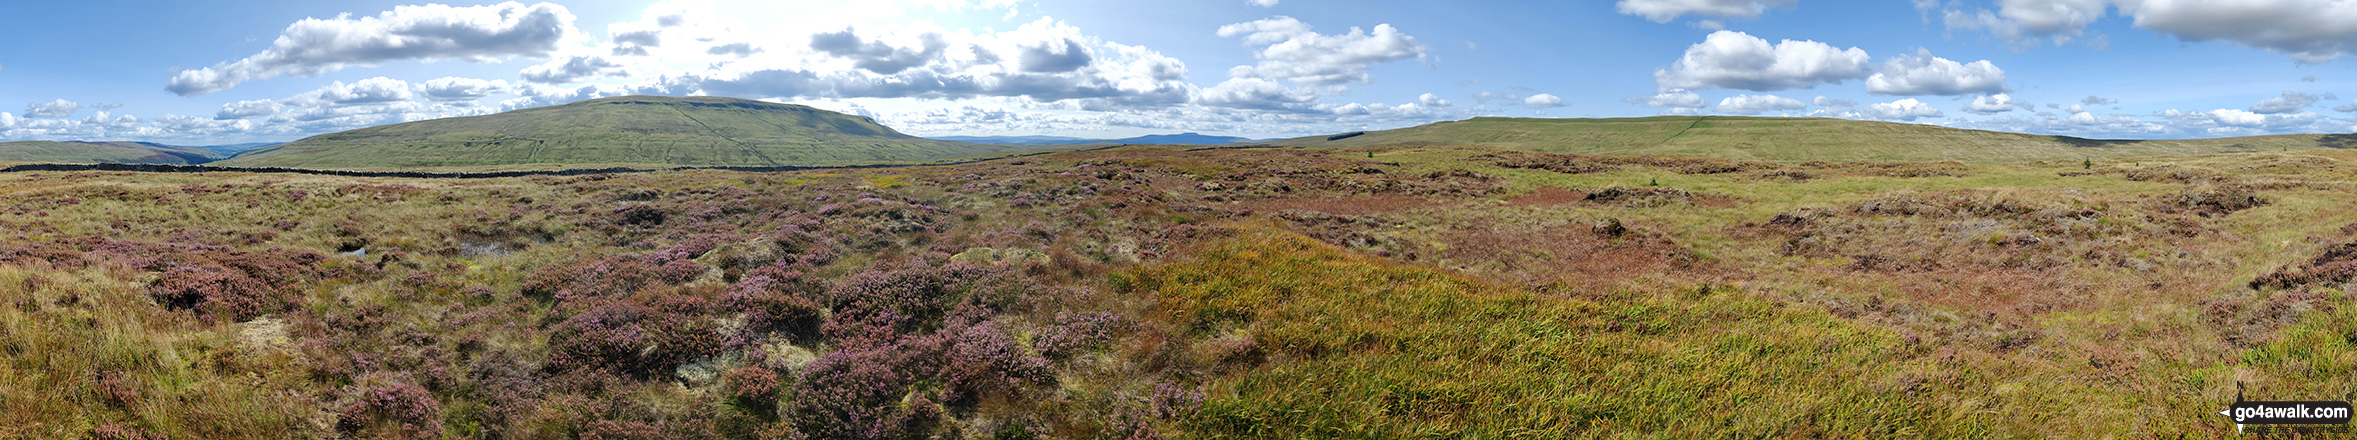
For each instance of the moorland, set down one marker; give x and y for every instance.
(1181, 292)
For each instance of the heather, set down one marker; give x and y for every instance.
(1158, 293)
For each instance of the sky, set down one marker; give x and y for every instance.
(212, 73)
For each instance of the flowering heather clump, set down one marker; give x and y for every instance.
(218, 293)
(1076, 333)
(859, 394)
(640, 215)
(622, 430)
(772, 305)
(753, 385)
(399, 408)
(919, 295)
(984, 360)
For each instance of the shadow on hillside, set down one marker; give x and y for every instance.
(2343, 141)
(2094, 143)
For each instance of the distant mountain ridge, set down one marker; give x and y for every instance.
(627, 130)
(1152, 139)
(1795, 140)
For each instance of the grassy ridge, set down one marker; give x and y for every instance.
(636, 130)
(102, 152)
(1795, 140)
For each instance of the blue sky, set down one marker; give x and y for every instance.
(201, 73)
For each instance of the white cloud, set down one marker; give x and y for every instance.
(1543, 100)
(1662, 11)
(1263, 3)
(1990, 104)
(565, 70)
(1672, 98)
(2290, 102)
(1432, 100)
(368, 91)
(1735, 60)
(2076, 108)
(248, 109)
(2349, 107)
(56, 109)
(2310, 31)
(1902, 110)
(1290, 51)
(429, 32)
(1756, 104)
(1830, 102)
(1485, 97)
(2098, 100)
(461, 89)
(1923, 74)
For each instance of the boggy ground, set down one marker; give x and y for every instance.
(1147, 292)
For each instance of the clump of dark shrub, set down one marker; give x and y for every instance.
(1640, 197)
(777, 301)
(630, 339)
(400, 409)
(984, 361)
(640, 215)
(914, 298)
(862, 393)
(752, 385)
(2213, 201)
(2336, 265)
(1075, 333)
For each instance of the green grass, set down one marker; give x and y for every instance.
(101, 152)
(1794, 140)
(630, 130)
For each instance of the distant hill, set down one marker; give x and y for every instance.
(1152, 139)
(1018, 140)
(104, 152)
(1794, 140)
(628, 130)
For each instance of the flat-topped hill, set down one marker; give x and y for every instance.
(629, 130)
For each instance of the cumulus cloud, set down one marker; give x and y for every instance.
(1431, 100)
(737, 49)
(1662, 11)
(1289, 50)
(1543, 100)
(2349, 107)
(461, 89)
(2290, 102)
(1672, 98)
(2098, 100)
(1263, 3)
(1486, 96)
(1902, 110)
(1756, 104)
(573, 68)
(1990, 104)
(429, 32)
(54, 109)
(1735, 60)
(1054, 58)
(2025, 23)
(248, 109)
(2309, 31)
(878, 57)
(1830, 102)
(1923, 74)
(368, 91)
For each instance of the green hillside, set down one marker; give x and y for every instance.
(1794, 140)
(102, 152)
(629, 130)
